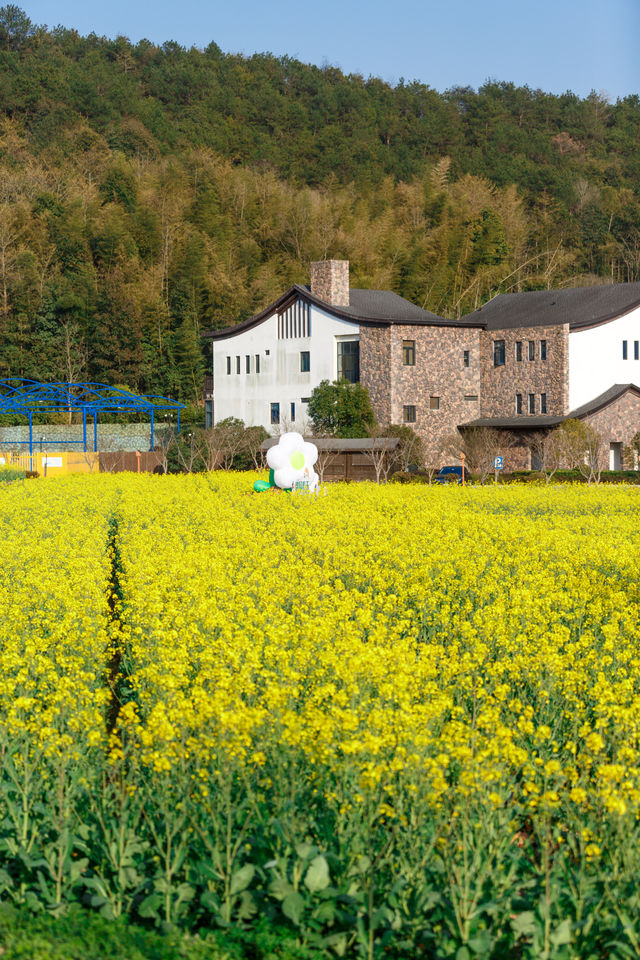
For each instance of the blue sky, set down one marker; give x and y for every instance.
(555, 45)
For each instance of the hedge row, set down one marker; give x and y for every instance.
(528, 476)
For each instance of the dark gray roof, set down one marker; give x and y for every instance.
(386, 305)
(526, 422)
(371, 307)
(341, 445)
(580, 307)
(602, 400)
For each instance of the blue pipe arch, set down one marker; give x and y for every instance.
(26, 397)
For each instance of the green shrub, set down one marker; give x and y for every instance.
(11, 474)
(570, 476)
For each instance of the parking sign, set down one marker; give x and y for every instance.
(497, 463)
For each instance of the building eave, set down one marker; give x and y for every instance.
(298, 292)
(578, 325)
(533, 422)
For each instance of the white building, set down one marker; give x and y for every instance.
(265, 368)
(523, 362)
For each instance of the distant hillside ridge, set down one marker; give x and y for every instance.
(307, 122)
(148, 193)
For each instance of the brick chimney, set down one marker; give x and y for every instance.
(330, 281)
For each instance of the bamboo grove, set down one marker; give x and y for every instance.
(150, 193)
(398, 722)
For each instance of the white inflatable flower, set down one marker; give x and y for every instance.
(292, 460)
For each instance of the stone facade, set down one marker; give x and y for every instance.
(518, 457)
(617, 423)
(330, 281)
(500, 384)
(440, 372)
(439, 375)
(375, 369)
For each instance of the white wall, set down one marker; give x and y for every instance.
(249, 396)
(595, 358)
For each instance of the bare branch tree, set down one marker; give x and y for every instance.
(583, 448)
(189, 448)
(212, 450)
(410, 450)
(224, 442)
(166, 440)
(480, 447)
(327, 455)
(549, 453)
(381, 453)
(254, 437)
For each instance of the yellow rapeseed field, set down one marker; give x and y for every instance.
(391, 718)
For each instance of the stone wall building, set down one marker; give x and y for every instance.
(522, 363)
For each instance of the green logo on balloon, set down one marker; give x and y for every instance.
(297, 460)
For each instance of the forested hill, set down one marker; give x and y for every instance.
(148, 193)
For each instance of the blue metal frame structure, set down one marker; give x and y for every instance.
(25, 397)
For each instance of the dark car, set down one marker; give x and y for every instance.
(452, 475)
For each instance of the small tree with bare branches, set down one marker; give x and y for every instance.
(254, 437)
(327, 455)
(480, 446)
(189, 449)
(381, 452)
(549, 452)
(224, 442)
(410, 449)
(583, 448)
(165, 443)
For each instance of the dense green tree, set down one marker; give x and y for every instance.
(340, 409)
(15, 28)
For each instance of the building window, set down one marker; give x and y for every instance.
(472, 397)
(228, 364)
(543, 349)
(409, 414)
(543, 403)
(306, 399)
(208, 414)
(293, 413)
(349, 360)
(237, 364)
(518, 350)
(247, 361)
(409, 353)
(257, 364)
(624, 349)
(532, 403)
(465, 358)
(518, 403)
(305, 361)
(275, 413)
(532, 349)
(498, 353)
(434, 403)
(636, 350)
